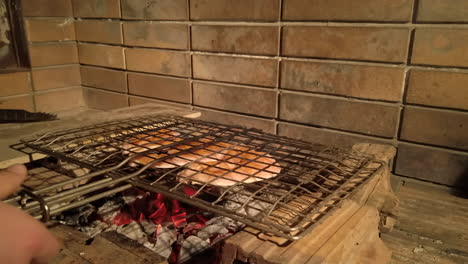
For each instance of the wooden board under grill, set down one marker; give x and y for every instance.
(349, 235)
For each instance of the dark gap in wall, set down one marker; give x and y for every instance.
(433, 107)
(252, 86)
(232, 112)
(400, 123)
(414, 16)
(464, 151)
(333, 128)
(410, 47)
(340, 96)
(141, 72)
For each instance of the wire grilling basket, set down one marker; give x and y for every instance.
(275, 184)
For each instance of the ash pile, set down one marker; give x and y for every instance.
(172, 229)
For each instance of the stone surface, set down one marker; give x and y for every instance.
(50, 29)
(18, 102)
(431, 126)
(15, 83)
(158, 61)
(355, 43)
(53, 54)
(442, 11)
(435, 165)
(167, 88)
(265, 125)
(97, 77)
(440, 46)
(261, 40)
(47, 8)
(367, 118)
(258, 10)
(235, 98)
(324, 136)
(96, 8)
(58, 100)
(159, 9)
(241, 70)
(344, 10)
(101, 31)
(438, 88)
(369, 82)
(57, 77)
(101, 55)
(147, 34)
(104, 100)
(137, 100)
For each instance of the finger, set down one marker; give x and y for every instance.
(49, 249)
(10, 179)
(24, 239)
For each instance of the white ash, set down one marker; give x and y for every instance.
(226, 222)
(165, 238)
(242, 204)
(128, 199)
(109, 210)
(133, 231)
(215, 229)
(191, 246)
(97, 227)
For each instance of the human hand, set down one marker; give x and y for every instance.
(23, 240)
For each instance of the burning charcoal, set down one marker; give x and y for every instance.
(190, 247)
(165, 238)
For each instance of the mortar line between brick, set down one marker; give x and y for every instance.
(128, 95)
(343, 98)
(437, 109)
(283, 57)
(281, 90)
(438, 148)
(57, 89)
(336, 131)
(325, 23)
(190, 54)
(56, 66)
(278, 68)
(409, 54)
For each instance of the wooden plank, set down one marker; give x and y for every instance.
(346, 245)
(98, 250)
(247, 247)
(299, 251)
(67, 257)
(309, 245)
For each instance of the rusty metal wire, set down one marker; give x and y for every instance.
(142, 152)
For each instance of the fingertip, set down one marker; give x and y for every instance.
(18, 169)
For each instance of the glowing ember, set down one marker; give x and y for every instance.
(166, 226)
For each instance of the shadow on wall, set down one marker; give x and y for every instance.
(462, 185)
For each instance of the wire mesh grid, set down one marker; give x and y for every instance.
(275, 184)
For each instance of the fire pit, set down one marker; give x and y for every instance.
(179, 186)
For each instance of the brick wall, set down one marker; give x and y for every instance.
(53, 82)
(330, 71)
